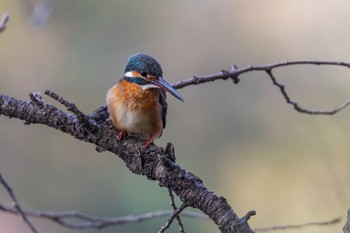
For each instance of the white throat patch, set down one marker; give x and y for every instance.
(149, 86)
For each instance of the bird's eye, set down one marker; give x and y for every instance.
(143, 74)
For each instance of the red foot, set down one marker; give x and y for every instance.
(121, 134)
(148, 142)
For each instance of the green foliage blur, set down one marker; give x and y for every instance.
(243, 140)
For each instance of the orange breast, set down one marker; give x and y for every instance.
(135, 110)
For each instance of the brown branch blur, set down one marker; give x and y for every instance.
(4, 19)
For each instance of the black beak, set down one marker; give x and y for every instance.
(160, 82)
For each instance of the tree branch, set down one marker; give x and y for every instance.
(178, 219)
(172, 217)
(298, 226)
(153, 162)
(17, 206)
(234, 72)
(298, 107)
(77, 220)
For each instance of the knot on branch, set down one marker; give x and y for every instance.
(170, 151)
(241, 226)
(232, 74)
(249, 214)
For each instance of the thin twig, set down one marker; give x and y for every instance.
(178, 219)
(17, 206)
(298, 226)
(300, 109)
(72, 108)
(77, 220)
(235, 72)
(171, 218)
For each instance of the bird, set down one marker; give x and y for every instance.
(137, 101)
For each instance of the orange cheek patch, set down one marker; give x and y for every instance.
(135, 74)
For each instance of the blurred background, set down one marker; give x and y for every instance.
(243, 140)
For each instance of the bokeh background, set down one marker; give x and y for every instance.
(243, 140)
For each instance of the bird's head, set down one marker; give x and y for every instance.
(145, 71)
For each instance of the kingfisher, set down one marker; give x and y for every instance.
(137, 102)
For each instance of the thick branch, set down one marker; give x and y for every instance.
(153, 162)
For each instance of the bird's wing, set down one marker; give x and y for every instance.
(164, 106)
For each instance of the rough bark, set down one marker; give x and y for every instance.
(153, 162)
